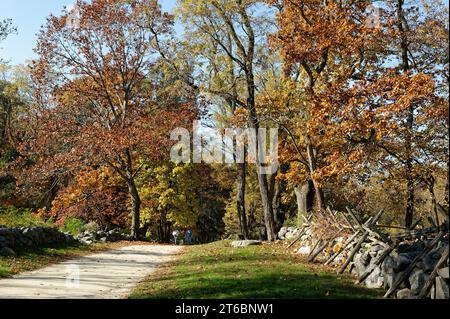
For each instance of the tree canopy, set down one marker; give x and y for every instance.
(357, 89)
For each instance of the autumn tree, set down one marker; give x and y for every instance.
(97, 195)
(95, 98)
(228, 38)
(281, 100)
(360, 103)
(8, 95)
(15, 98)
(183, 196)
(170, 194)
(419, 40)
(311, 34)
(10, 105)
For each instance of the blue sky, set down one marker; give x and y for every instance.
(28, 16)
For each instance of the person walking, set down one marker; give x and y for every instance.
(175, 234)
(189, 236)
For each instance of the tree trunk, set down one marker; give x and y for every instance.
(320, 200)
(136, 208)
(55, 184)
(263, 184)
(276, 192)
(240, 203)
(144, 229)
(251, 216)
(267, 208)
(409, 214)
(248, 60)
(305, 198)
(242, 167)
(160, 231)
(431, 184)
(265, 199)
(167, 232)
(410, 192)
(277, 188)
(164, 228)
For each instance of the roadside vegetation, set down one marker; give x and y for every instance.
(19, 217)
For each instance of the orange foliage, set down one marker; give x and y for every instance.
(94, 195)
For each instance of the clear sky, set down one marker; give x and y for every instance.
(28, 16)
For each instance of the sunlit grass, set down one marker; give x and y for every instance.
(267, 271)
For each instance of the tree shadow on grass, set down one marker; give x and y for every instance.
(265, 286)
(256, 273)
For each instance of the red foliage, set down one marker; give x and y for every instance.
(97, 104)
(94, 195)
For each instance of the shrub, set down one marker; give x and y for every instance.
(92, 227)
(21, 217)
(73, 225)
(293, 221)
(93, 195)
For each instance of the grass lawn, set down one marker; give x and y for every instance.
(218, 271)
(40, 257)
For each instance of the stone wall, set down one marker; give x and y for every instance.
(12, 239)
(393, 266)
(113, 235)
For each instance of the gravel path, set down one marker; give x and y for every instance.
(108, 275)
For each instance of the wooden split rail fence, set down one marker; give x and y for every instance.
(329, 225)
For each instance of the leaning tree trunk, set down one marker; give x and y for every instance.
(433, 201)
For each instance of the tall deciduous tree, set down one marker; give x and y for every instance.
(419, 40)
(361, 98)
(96, 103)
(233, 33)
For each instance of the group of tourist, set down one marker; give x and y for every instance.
(187, 235)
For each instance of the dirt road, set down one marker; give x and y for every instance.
(108, 275)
